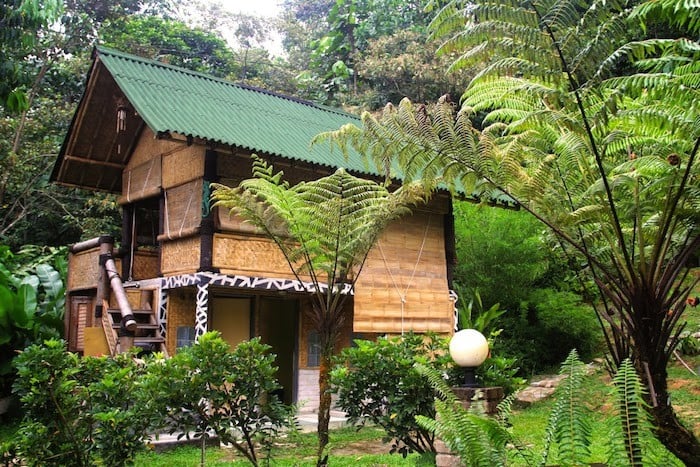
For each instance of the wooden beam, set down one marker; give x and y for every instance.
(93, 162)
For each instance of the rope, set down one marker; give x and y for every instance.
(167, 217)
(148, 176)
(402, 295)
(132, 247)
(184, 216)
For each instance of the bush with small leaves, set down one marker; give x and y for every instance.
(211, 389)
(376, 382)
(79, 411)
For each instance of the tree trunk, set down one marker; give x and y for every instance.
(669, 430)
(324, 404)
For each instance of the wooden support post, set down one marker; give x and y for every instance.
(206, 231)
(106, 245)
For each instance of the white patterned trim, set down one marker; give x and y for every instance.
(454, 297)
(245, 282)
(202, 311)
(163, 313)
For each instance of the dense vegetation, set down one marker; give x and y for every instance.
(620, 229)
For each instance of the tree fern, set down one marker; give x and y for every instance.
(594, 134)
(325, 229)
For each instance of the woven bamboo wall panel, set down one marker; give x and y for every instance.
(438, 204)
(181, 312)
(84, 270)
(183, 208)
(149, 146)
(141, 181)
(233, 223)
(145, 265)
(253, 256)
(234, 167)
(183, 166)
(180, 256)
(239, 166)
(403, 285)
(380, 325)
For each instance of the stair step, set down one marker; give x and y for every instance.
(146, 340)
(116, 311)
(138, 326)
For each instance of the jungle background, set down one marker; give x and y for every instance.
(355, 54)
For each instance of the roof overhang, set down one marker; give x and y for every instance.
(101, 136)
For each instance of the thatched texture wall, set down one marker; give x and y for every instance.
(150, 166)
(145, 266)
(407, 263)
(180, 256)
(249, 255)
(84, 270)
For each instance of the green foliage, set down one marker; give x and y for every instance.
(602, 154)
(79, 411)
(500, 253)
(489, 441)
(474, 316)
(501, 371)
(19, 22)
(476, 439)
(173, 42)
(209, 388)
(32, 303)
(547, 327)
(376, 382)
(569, 422)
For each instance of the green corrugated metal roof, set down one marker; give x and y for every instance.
(175, 100)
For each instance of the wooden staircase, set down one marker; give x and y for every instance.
(146, 336)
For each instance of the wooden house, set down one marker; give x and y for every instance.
(157, 136)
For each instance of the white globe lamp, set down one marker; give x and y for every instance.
(469, 348)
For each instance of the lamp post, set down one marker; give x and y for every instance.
(469, 348)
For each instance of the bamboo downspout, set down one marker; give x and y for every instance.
(106, 244)
(128, 320)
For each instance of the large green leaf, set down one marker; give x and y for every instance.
(7, 302)
(50, 280)
(23, 313)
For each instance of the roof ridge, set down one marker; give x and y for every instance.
(101, 49)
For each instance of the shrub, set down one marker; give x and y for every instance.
(79, 411)
(548, 326)
(376, 382)
(32, 304)
(209, 387)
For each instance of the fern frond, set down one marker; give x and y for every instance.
(569, 424)
(630, 425)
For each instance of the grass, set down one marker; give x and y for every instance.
(347, 447)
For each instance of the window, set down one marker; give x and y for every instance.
(313, 352)
(185, 336)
